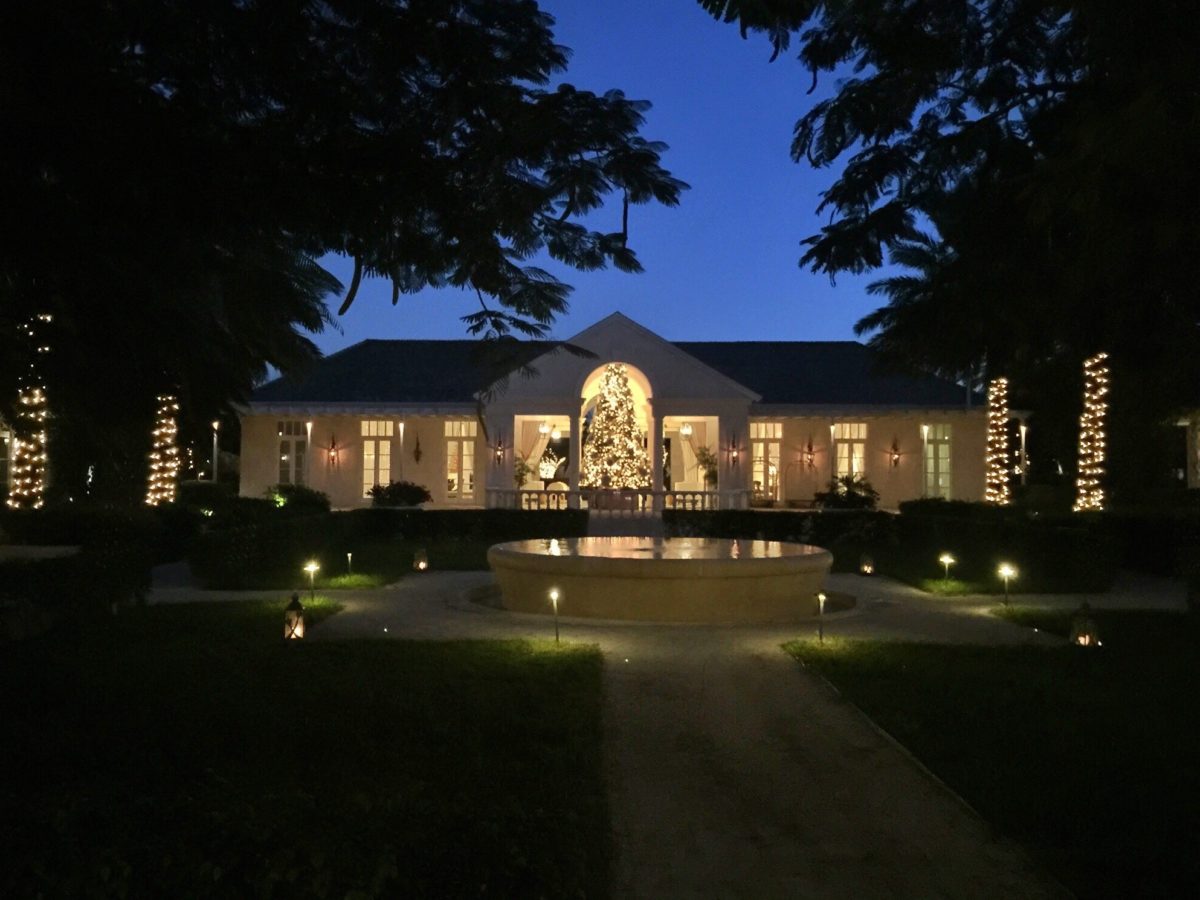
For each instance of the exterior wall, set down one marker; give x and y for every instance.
(343, 481)
(904, 481)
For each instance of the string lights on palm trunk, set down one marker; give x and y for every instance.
(164, 457)
(27, 479)
(1089, 495)
(997, 490)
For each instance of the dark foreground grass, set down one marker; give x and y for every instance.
(1090, 759)
(188, 752)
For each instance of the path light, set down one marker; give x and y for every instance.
(821, 616)
(947, 560)
(421, 560)
(349, 563)
(1007, 572)
(293, 620)
(312, 567)
(554, 602)
(866, 565)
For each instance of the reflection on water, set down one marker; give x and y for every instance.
(662, 548)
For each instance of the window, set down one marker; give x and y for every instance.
(6, 439)
(764, 454)
(293, 451)
(377, 453)
(460, 459)
(850, 447)
(937, 461)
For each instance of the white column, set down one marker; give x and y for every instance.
(576, 450)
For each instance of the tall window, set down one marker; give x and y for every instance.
(5, 460)
(764, 453)
(293, 450)
(460, 459)
(377, 453)
(937, 461)
(850, 446)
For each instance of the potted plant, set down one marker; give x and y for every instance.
(521, 472)
(707, 460)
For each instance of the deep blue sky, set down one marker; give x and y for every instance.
(723, 264)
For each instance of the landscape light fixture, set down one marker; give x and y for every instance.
(312, 567)
(293, 620)
(866, 565)
(947, 560)
(554, 603)
(1007, 572)
(349, 563)
(216, 427)
(821, 616)
(421, 560)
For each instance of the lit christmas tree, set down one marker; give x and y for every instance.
(614, 455)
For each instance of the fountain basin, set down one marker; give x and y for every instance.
(662, 579)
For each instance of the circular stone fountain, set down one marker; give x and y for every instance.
(662, 579)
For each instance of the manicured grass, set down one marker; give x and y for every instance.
(188, 751)
(1087, 757)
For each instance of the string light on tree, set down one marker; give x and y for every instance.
(614, 455)
(1089, 495)
(997, 490)
(27, 476)
(164, 457)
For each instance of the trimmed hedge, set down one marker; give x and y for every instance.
(248, 556)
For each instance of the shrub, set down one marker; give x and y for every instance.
(298, 499)
(847, 492)
(399, 493)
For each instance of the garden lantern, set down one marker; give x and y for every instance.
(420, 560)
(821, 616)
(554, 603)
(311, 567)
(947, 560)
(866, 565)
(349, 563)
(293, 620)
(1084, 631)
(1007, 572)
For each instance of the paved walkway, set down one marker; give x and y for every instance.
(734, 773)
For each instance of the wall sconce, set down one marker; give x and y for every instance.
(499, 449)
(685, 430)
(894, 453)
(733, 452)
(808, 455)
(333, 452)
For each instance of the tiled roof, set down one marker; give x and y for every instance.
(799, 373)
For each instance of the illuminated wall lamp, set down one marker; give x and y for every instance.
(894, 453)
(808, 455)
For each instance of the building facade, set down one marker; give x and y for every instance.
(726, 424)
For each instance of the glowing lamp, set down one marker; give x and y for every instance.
(421, 560)
(821, 616)
(1084, 631)
(555, 434)
(947, 560)
(554, 603)
(866, 565)
(293, 620)
(1007, 572)
(685, 430)
(312, 567)
(544, 428)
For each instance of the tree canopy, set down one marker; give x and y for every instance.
(173, 170)
(1031, 164)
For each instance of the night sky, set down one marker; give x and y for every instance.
(722, 265)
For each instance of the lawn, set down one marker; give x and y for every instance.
(1090, 759)
(188, 751)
